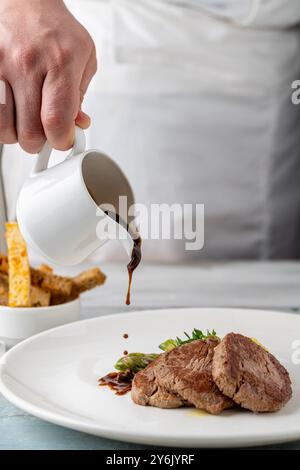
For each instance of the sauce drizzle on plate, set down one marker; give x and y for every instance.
(119, 382)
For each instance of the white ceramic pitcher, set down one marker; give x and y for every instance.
(60, 210)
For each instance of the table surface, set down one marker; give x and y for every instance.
(269, 285)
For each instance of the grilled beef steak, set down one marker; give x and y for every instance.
(250, 375)
(181, 377)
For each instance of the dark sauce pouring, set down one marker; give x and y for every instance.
(121, 382)
(136, 257)
(136, 254)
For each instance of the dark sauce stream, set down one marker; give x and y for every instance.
(136, 256)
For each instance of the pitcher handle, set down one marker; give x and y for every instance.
(44, 155)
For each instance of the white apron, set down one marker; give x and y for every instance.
(193, 101)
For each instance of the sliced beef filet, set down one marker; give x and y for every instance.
(250, 375)
(146, 391)
(181, 377)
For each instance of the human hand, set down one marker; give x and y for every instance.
(47, 60)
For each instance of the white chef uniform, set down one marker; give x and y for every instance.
(193, 101)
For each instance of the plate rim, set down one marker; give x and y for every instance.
(54, 417)
(141, 312)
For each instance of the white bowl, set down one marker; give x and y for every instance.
(17, 324)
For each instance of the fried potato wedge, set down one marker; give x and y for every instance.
(19, 269)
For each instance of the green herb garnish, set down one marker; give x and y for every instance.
(170, 344)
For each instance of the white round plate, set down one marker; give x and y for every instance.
(54, 375)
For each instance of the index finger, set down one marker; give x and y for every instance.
(60, 104)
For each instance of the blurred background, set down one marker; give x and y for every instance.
(193, 100)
